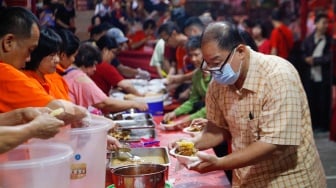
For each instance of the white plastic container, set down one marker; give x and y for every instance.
(37, 165)
(88, 165)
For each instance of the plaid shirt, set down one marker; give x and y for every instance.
(271, 107)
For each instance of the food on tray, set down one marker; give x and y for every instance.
(123, 134)
(185, 148)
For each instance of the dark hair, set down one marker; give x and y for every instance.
(49, 43)
(263, 28)
(320, 16)
(276, 14)
(248, 40)
(224, 33)
(193, 21)
(70, 41)
(149, 24)
(107, 42)
(18, 21)
(193, 43)
(168, 28)
(47, 2)
(88, 55)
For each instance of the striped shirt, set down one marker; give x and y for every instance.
(271, 107)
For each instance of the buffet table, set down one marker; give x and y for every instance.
(182, 177)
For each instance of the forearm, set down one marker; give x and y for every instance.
(255, 153)
(114, 105)
(12, 136)
(138, 44)
(11, 118)
(127, 87)
(127, 71)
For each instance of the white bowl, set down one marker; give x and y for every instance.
(185, 160)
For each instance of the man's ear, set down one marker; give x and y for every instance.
(62, 56)
(8, 42)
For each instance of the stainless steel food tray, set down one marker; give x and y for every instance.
(132, 124)
(131, 116)
(154, 155)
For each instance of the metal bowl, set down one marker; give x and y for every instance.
(140, 175)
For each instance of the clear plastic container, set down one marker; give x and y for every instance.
(88, 166)
(37, 165)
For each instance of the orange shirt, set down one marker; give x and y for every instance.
(18, 91)
(53, 84)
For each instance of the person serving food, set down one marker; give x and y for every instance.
(258, 102)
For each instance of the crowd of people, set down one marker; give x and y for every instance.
(254, 87)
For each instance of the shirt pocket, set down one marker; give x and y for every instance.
(250, 131)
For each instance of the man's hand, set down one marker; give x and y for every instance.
(31, 113)
(309, 60)
(206, 164)
(140, 106)
(169, 116)
(45, 126)
(142, 74)
(112, 143)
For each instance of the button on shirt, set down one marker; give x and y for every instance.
(271, 107)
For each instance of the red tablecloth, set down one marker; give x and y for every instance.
(185, 178)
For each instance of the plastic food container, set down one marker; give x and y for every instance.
(37, 165)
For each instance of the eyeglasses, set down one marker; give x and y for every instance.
(217, 70)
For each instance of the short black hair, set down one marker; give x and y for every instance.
(248, 40)
(277, 14)
(88, 55)
(320, 16)
(18, 21)
(263, 28)
(168, 28)
(224, 33)
(107, 42)
(193, 43)
(193, 21)
(70, 41)
(49, 43)
(149, 24)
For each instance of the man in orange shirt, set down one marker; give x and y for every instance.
(19, 35)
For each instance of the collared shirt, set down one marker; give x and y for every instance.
(271, 107)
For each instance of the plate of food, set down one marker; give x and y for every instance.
(185, 152)
(192, 130)
(169, 125)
